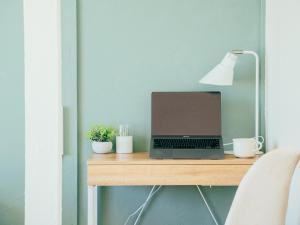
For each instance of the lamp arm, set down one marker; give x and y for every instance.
(256, 86)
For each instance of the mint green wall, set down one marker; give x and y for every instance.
(69, 90)
(11, 113)
(126, 50)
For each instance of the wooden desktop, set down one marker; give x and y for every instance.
(138, 169)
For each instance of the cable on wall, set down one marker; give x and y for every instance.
(141, 208)
(207, 205)
(153, 191)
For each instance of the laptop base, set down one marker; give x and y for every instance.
(186, 148)
(186, 154)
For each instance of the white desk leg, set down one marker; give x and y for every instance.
(92, 205)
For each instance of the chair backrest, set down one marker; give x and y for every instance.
(262, 196)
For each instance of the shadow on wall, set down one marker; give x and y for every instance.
(13, 214)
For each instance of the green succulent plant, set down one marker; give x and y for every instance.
(101, 133)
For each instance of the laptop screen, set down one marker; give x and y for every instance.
(186, 114)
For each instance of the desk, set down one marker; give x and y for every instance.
(138, 169)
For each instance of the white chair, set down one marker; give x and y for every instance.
(262, 196)
(293, 210)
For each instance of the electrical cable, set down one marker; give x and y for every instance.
(153, 191)
(141, 208)
(230, 152)
(207, 205)
(228, 144)
(262, 141)
(147, 200)
(132, 214)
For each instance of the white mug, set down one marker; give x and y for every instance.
(124, 144)
(246, 147)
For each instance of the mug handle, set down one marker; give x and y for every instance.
(260, 145)
(262, 139)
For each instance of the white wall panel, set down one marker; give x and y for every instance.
(42, 112)
(283, 87)
(283, 73)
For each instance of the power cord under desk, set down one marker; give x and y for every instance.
(153, 191)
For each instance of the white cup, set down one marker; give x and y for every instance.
(124, 144)
(246, 147)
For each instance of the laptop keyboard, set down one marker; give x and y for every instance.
(186, 143)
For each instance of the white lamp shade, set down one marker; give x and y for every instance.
(223, 73)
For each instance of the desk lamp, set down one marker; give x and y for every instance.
(222, 75)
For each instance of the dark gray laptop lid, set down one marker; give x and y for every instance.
(186, 114)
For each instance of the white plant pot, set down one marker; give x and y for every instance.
(102, 147)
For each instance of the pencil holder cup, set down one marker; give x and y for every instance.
(124, 144)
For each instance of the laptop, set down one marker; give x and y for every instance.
(186, 125)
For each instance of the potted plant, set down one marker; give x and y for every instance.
(101, 137)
